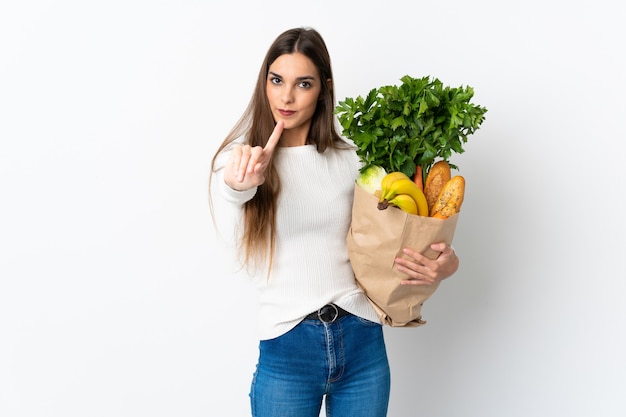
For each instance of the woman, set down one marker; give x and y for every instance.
(292, 175)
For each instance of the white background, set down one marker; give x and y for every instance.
(117, 298)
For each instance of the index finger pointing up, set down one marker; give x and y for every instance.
(273, 140)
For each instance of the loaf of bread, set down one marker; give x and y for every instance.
(450, 199)
(438, 175)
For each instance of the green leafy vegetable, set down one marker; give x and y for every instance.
(412, 124)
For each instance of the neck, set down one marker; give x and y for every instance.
(295, 137)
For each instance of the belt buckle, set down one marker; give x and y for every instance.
(319, 314)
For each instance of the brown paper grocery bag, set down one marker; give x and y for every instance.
(375, 238)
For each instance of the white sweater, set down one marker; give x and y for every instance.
(311, 264)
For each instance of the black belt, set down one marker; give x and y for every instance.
(327, 314)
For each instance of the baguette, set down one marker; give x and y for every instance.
(450, 199)
(438, 175)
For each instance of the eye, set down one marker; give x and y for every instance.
(275, 80)
(305, 84)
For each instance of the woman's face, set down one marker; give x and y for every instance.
(293, 88)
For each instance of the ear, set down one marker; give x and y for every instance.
(329, 85)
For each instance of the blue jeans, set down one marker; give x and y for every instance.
(346, 361)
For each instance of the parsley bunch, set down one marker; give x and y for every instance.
(412, 124)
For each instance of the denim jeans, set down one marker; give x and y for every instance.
(346, 361)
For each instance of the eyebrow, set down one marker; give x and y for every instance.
(303, 78)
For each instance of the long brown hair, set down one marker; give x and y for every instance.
(257, 240)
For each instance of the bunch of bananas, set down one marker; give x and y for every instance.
(397, 189)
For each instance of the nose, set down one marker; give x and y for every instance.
(287, 96)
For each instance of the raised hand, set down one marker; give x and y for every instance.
(247, 164)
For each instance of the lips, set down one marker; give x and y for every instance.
(286, 113)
